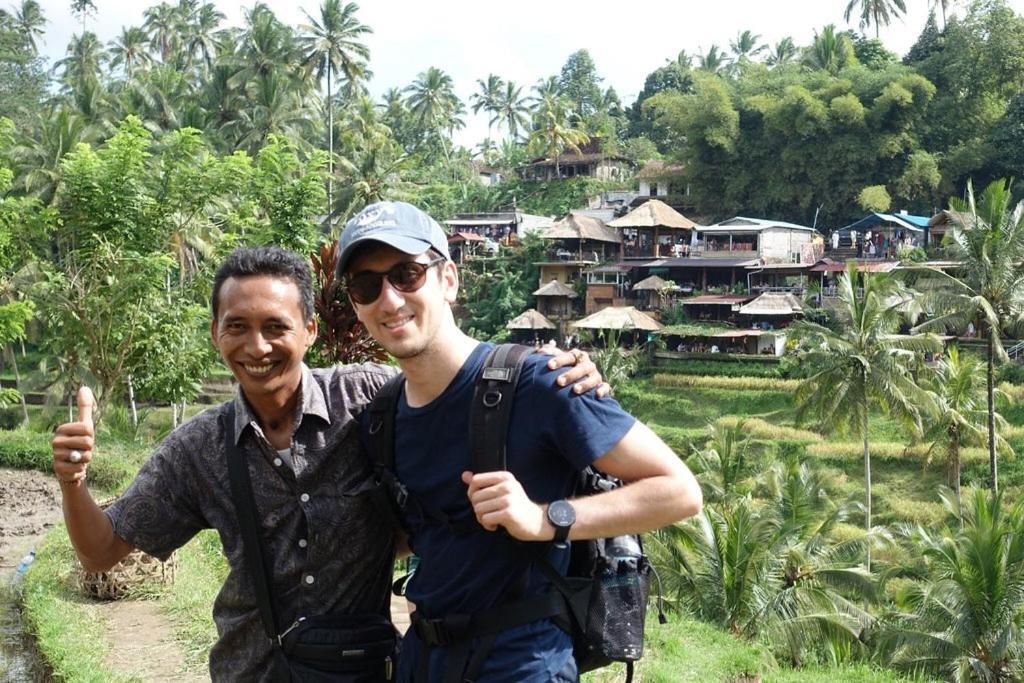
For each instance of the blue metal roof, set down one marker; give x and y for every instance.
(905, 220)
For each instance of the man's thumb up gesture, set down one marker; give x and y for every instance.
(73, 444)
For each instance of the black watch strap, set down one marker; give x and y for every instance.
(562, 516)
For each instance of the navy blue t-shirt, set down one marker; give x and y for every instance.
(553, 434)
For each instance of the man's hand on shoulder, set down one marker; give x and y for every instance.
(498, 500)
(582, 373)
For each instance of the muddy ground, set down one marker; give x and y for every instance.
(30, 502)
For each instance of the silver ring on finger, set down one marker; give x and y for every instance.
(75, 456)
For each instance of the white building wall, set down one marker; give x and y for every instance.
(782, 245)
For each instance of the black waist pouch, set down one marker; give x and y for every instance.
(341, 649)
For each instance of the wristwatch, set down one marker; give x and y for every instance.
(562, 516)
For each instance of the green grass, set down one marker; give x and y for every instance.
(189, 604)
(66, 630)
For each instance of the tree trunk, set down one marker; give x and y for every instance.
(131, 402)
(867, 486)
(953, 459)
(174, 415)
(17, 386)
(993, 466)
(330, 144)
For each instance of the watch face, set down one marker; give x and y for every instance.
(561, 513)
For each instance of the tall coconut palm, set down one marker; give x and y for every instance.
(275, 109)
(831, 51)
(713, 61)
(513, 110)
(943, 5)
(433, 104)
(877, 12)
(783, 52)
(38, 156)
(962, 622)
(488, 98)
(130, 50)
(333, 45)
(553, 132)
(163, 24)
(202, 33)
(987, 239)
(30, 22)
(866, 364)
(82, 63)
(960, 419)
(747, 45)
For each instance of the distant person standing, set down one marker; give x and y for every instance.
(835, 240)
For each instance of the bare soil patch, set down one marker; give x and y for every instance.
(142, 643)
(30, 502)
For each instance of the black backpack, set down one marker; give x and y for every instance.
(601, 602)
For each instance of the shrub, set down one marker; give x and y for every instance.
(25, 450)
(1012, 373)
(723, 368)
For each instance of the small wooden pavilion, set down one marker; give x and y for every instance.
(652, 289)
(530, 327)
(555, 299)
(625, 319)
(654, 230)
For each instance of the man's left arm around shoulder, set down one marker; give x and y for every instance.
(659, 490)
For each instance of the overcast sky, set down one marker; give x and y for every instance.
(527, 40)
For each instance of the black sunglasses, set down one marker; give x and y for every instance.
(408, 276)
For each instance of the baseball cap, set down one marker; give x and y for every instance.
(396, 224)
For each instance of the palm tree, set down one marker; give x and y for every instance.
(553, 133)
(771, 571)
(866, 364)
(987, 239)
(38, 157)
(331, 46)
(29, 21)
(83, 61)
(943, 5)
(877, 12)
(830, 51)
(163, 24)
(963, 621)
(958, 383)
(130, 50)
(433, 103)
(275, 109)
(512, 109)
(488, 98)
(746, 45)
(783, 53)
(713, 61)
(202, 33)
(724, 462)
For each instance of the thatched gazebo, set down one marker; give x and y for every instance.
(779, 308)
(624, 319)
(555, 299)
(588, 236)
(652, 225)
(653, 288)
(528, 326)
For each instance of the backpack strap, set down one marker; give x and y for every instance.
(492, 407)
(381, 446)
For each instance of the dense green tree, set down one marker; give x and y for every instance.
(831, 51)
(85, 57)
(513, 110)
(435, 107)
(553, 131)
(1007, 139)
(580, 84)
(864, 365)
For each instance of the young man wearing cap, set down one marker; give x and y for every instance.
(394, 259)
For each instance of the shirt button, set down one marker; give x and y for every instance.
(309, 579)
(303, 543)
(304, 497)
(277, 462)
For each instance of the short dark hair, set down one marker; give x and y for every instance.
(272, 261)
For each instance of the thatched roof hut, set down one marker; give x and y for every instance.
(650, 284)
(530, 320)
(555, 288)
(773, 304)
(653, 214)
(618, 318)
(578, 226)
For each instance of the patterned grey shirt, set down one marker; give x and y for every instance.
(331, 548)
